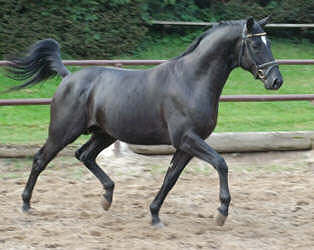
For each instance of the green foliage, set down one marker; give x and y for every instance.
(183, 10)
(85, 29)
(106, 28)
(282, 11)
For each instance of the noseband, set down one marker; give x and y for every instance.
(261, 70)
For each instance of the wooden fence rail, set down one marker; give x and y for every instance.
(271, 25)
(228, 98)
(119, 63)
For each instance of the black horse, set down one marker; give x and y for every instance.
(173, 103)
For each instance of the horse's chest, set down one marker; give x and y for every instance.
(203, 118)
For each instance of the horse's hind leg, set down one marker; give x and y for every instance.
(63, 130)
(41, 159)
(88, 153)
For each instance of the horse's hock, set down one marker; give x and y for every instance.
(244, 142)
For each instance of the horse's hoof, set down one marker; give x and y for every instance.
(26, 207)
(156, 222)
(220, 219)
(158, 225)
(105, 204)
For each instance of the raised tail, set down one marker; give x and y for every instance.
(43, 61)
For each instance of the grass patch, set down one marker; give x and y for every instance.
(29, 124)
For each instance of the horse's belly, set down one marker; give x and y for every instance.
(136, 134)
(144, 129)
(149, 139)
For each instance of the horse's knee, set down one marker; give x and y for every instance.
(221, 165)
(83, 156)
(110, 186)
(38, 165)
(86, 154)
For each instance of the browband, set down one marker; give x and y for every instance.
(257, 34)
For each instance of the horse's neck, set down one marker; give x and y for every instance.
(213, 60)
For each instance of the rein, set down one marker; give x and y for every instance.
(260, 71)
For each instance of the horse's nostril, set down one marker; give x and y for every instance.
(277, 83)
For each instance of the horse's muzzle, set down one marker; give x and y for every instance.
(273, 83)
(277, 83)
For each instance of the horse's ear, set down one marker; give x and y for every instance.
(264, 21)
(249, 24)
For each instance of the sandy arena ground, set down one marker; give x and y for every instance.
(272, 204)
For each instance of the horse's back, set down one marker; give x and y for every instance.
(79, 85)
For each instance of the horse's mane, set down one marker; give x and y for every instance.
(198, 40)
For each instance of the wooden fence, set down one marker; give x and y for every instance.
(120, 63)
(271, 25)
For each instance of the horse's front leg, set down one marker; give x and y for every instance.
(178, 162)
(193, 144)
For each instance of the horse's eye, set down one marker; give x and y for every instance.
(256, 45)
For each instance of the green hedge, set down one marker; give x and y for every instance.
(282, 11)
(85, 29)
(107, 28)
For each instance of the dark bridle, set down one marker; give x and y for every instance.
(261, 70)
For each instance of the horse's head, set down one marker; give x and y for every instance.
(256, 55)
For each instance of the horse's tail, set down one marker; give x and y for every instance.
(43, 61)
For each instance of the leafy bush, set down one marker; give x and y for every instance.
(85, 29)
(282, 11)
(107, 28)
